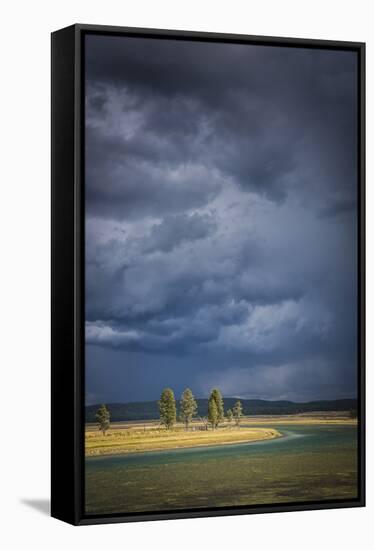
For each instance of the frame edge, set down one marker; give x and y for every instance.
(63, 346)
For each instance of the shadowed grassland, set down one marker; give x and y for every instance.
(309, 463)
(135, 439)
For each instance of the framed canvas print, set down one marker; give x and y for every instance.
(207, 274)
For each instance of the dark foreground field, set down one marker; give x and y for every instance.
(310, 462)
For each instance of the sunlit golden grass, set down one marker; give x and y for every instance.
(128, 437)
(306, 418)
(134, 439)
(301, 419)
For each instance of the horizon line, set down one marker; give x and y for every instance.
(226, 397)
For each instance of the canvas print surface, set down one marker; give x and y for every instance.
(221, 274)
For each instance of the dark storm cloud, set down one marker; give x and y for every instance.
(255, 113)
(176, 229)
(220, 205)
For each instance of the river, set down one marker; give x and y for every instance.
(307, 463)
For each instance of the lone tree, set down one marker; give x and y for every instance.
(168, 410)
(237, 412)
(212, 413)
(217, 398)
(229, 415)
(103, 418)
(188, 407)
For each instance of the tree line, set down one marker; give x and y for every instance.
(188, 409)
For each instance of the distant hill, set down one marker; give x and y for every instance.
(148, 410)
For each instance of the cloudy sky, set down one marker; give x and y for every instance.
(220, 220)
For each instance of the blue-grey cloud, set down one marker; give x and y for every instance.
(220, 219)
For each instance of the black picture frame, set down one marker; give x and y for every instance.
(67, 384)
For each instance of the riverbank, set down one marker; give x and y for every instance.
(124, 441)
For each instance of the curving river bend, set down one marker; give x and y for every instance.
(307, 463)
